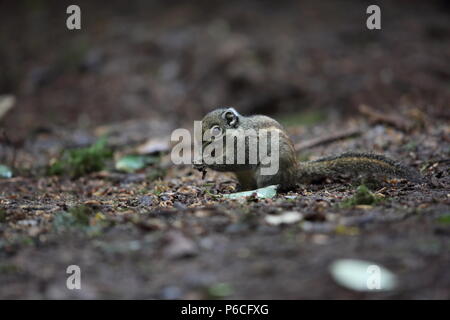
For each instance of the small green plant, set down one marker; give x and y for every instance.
(410, 146)
(16, 241)
(444, 219)
(81, 161)
(2, 215)
(6, 268)
(75, 217)
(220, 290)
(80, 218)
(363, 196)
(156, 173)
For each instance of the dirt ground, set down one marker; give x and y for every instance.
(138, 70)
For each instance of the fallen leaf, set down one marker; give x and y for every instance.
(5, 172)
(360, 275)
(132, 163)
(262, 193)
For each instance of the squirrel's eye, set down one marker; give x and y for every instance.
(216, 130)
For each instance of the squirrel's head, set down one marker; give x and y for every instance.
(219, 120)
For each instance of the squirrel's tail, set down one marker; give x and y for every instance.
(354, 164)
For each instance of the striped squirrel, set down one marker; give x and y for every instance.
(291, 172)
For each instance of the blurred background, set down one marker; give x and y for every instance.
(175, 60)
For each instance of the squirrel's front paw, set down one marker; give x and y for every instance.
(200, 167)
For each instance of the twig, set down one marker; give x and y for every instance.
(327, 139)
(377, 117)
(8, 143)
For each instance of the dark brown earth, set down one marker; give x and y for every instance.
(137, 71)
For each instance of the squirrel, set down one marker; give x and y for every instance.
(291, 172)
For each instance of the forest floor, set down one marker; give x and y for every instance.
(163, 232)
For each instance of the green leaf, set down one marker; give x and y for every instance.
(262, 193)
(360, 275)
(132, 163)
(81, 161)
(220, 290)
(5, 172)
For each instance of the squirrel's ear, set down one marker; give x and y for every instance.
(231, 116)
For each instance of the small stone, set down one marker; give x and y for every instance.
(288, 217)
(171, 293)
(180, 246)
(178, 205)
(28, 222)
(146, 201)
(360, 275)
